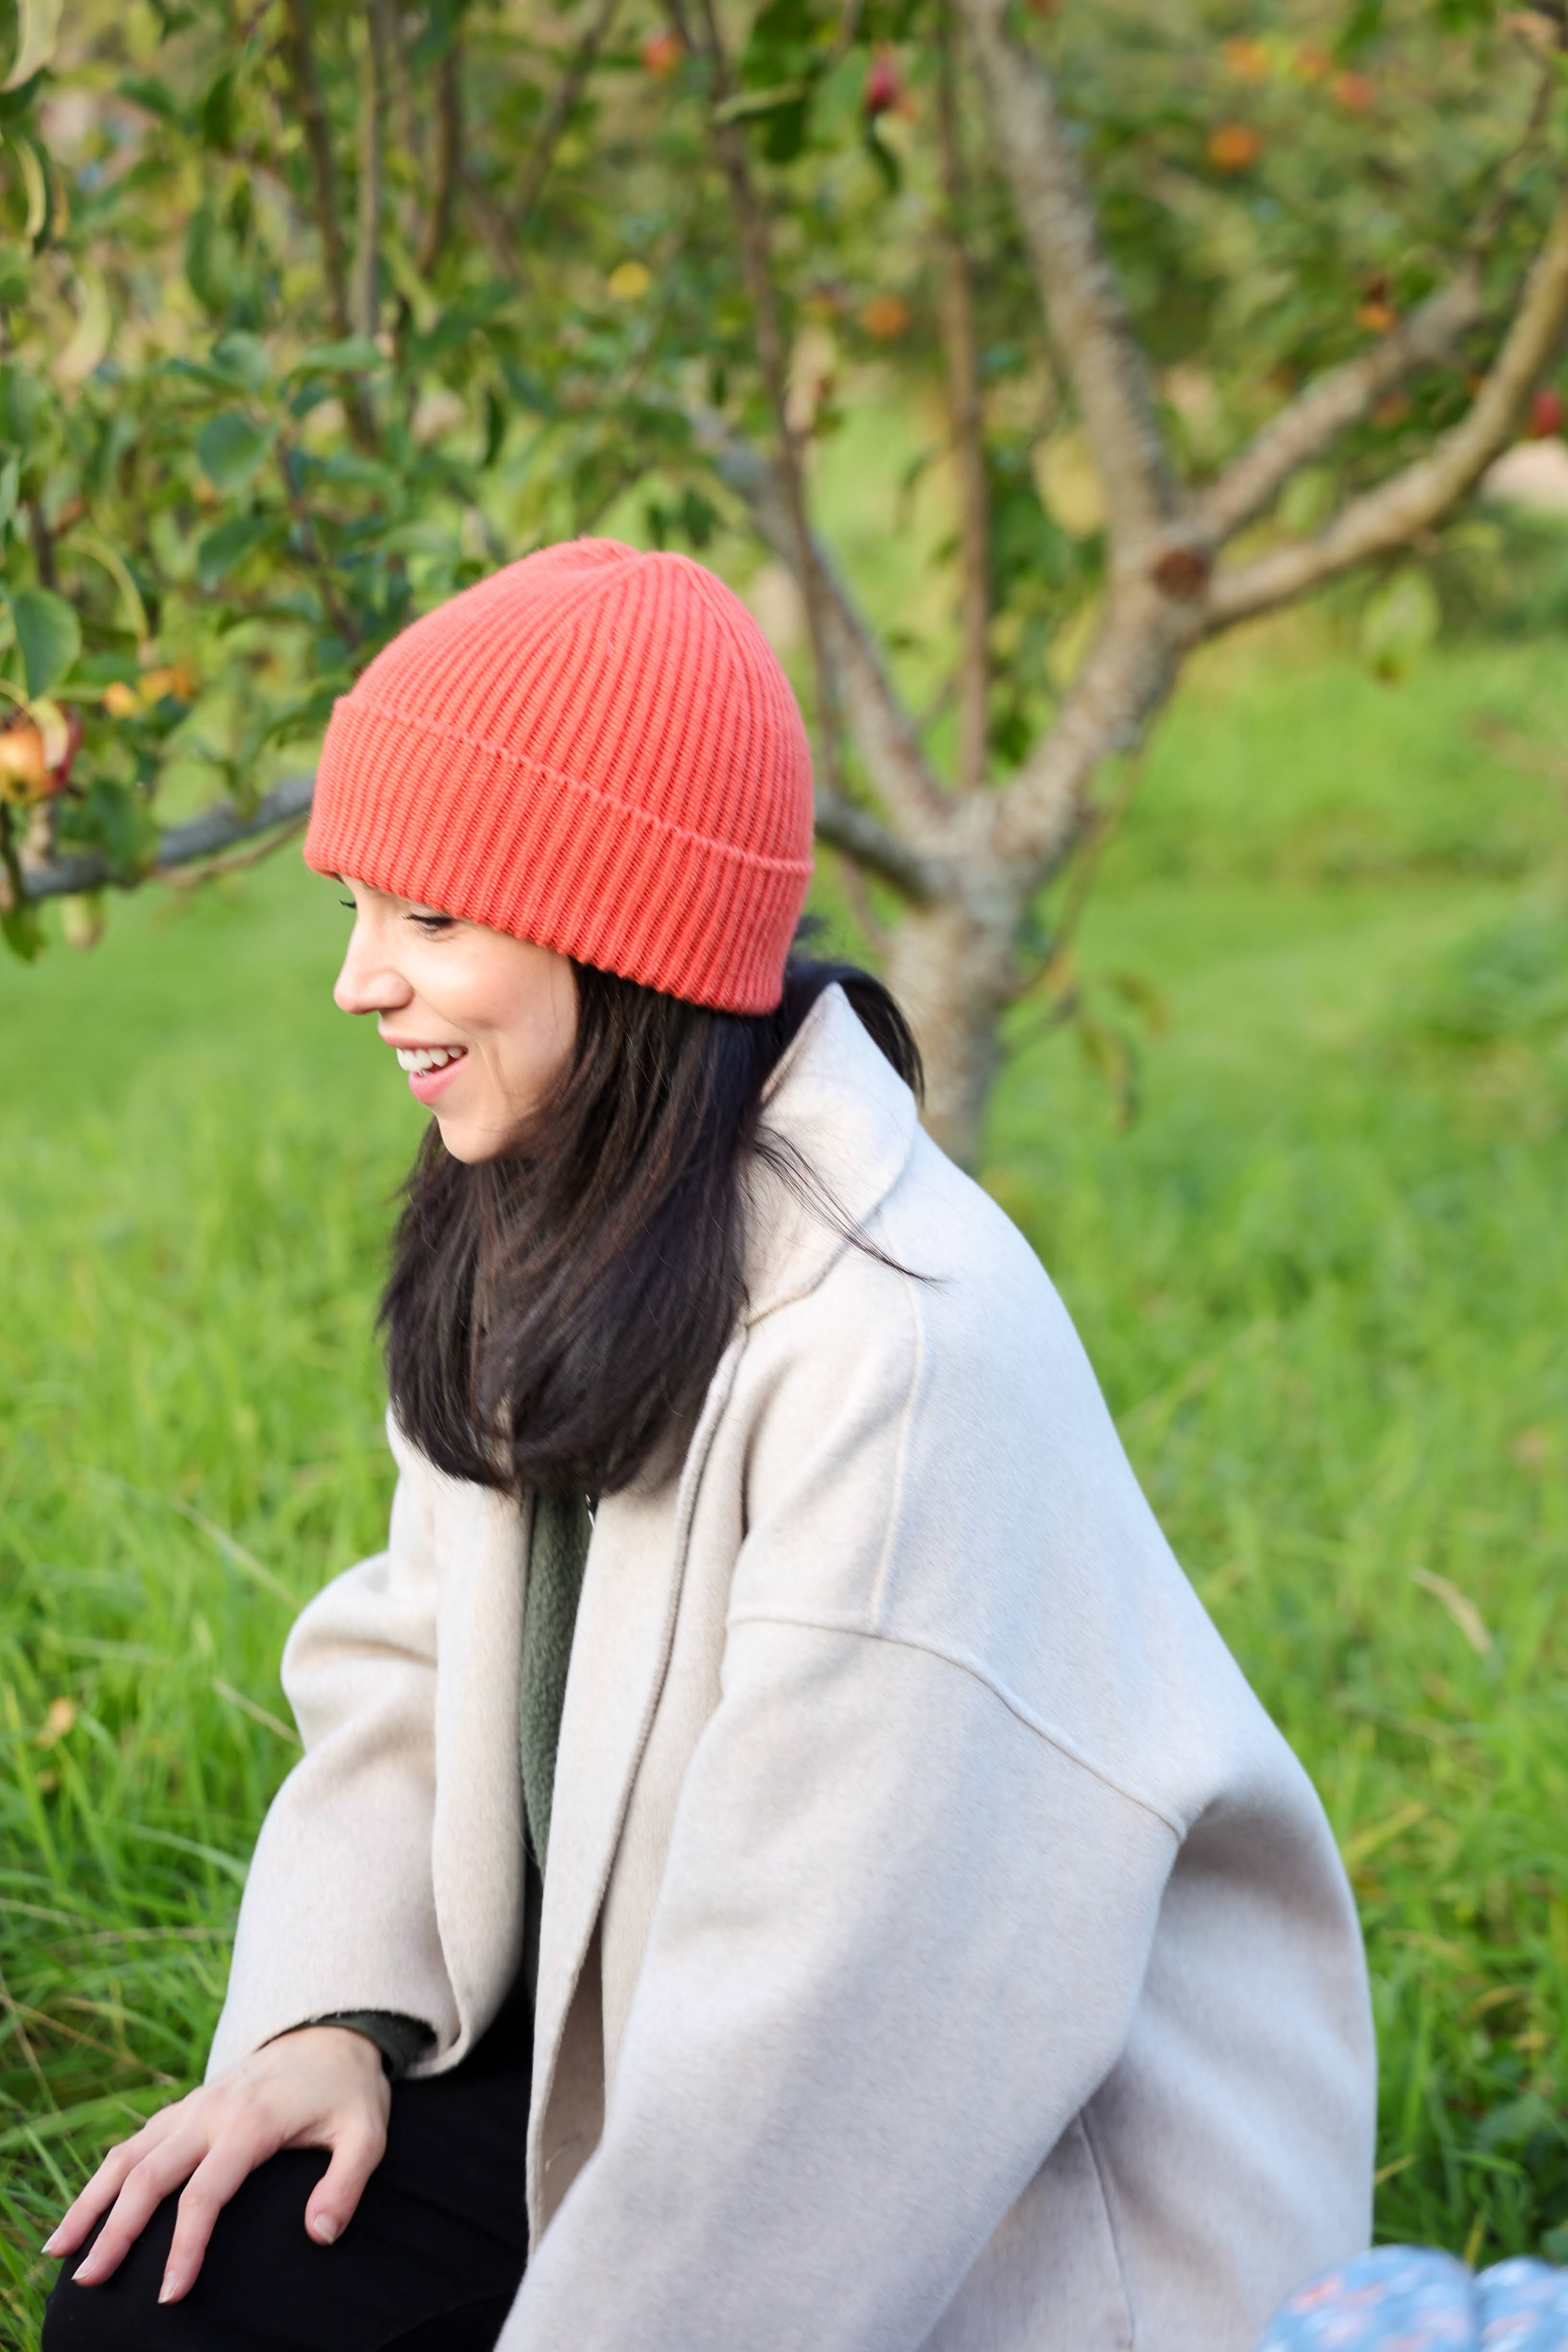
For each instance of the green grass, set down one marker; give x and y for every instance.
(1323, 1276)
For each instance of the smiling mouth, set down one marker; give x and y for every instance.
(419, 1060)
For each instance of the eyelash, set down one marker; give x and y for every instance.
(432, 924)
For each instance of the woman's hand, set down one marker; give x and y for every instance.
(323, 2086)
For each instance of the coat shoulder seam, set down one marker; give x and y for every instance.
(1050, 1733)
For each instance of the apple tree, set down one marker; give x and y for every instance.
(314, 311)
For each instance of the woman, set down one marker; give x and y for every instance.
(900, 1925)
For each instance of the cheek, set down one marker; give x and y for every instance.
(535, 1052)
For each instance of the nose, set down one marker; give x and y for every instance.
(370, 982)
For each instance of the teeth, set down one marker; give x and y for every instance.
(427, 1057)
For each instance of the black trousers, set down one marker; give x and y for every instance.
(430, 2262)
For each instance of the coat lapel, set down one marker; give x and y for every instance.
(620, 1648)
(481, 1539)
(846, 1119)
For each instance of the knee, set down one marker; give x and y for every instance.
(120, 2315)
(87, 2319)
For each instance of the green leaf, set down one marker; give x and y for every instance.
(440, 26)
(37, 29)
(217, 113)
(347, 466)
(22, 400)
(230, 449)
(208, 258)
(223, 549)
(309, 393)
(48, 634)
(350, 357)
(747, 103)
(195, 372)
(155, 96)
(15, 275)
(244, 357)
(107, 669)
(113, 818)
(22, 932)
(1401, 620)
(883, 157)
(1359, 29)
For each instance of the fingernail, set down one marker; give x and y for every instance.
(166, 2293)
(48, 2244)
(79, 2274)
(324, 2230)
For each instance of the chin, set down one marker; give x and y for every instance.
(462, 1143)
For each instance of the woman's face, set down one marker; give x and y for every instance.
(483, 1023)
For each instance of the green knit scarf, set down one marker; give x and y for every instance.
(558, 1554)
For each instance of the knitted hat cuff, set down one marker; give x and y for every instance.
(507, 841)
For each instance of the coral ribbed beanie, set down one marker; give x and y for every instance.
(593, 749)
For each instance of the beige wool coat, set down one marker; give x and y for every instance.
(941, 1947)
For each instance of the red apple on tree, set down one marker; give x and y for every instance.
(25, 773)
(661, 54)
(1546, 412)
(883, 89)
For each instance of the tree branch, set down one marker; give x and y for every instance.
(42, 544)
(315, 555)
(372, 151)
(300, 54)
(569, 90)
(301, 57)
(1126, 676)
(448, 162)
(869, 842)
(729, 139)
(1312, 420)
(494, 226)
(410, 136)
(1085, 312)
(500, 229)
(1409, 501)
(884, 733)
(974, 680)
(205, 836)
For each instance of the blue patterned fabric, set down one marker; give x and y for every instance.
(1414, 2299)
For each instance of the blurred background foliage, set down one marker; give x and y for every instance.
(314, 312)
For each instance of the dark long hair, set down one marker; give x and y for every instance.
(554, 1318)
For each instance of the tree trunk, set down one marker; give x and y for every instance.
(951, 967)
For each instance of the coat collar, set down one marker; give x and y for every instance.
(847, 1119)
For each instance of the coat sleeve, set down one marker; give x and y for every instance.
(339, 1910)
(897, 1946)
